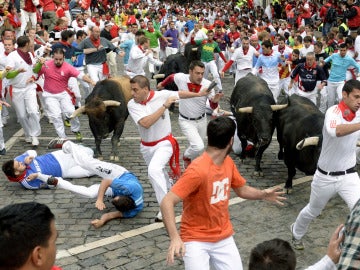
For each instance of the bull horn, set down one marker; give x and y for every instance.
(159, 76)
(194, 49)
(278, 107)
(358, 144)
(78, 112)
(112, 103)
(245, 110)
(307, 142)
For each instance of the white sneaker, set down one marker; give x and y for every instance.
(28, 139)
(297, 243)
(34, 141)
(158, 217)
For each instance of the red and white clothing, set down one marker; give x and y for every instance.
(159, 154)
(267, 68)
(24, 95)
(56, 98)
(244, 61)
(28, 13)
(192, 116)
(138, 60)
(338, 154)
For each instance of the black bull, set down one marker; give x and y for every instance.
(177, 63)
(300, 120)
(106, 108)
(253, 106)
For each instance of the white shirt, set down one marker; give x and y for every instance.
(162, 127)
(192, 107)
(243, 61)
(337, 153)
(138, 60)
(304, 51)
(20, 81)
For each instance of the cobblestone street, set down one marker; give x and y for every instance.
(139, 243)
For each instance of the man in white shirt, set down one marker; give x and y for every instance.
(336, 172)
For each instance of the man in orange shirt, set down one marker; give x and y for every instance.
(206, 231)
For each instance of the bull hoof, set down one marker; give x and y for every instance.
(288, 190)
(280, 156)
(258, 173)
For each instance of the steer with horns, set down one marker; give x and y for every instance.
(253, 106)
(106, 108)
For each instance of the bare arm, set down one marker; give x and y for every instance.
(270, 194)
(105, 183)
(343, 130)
(97, 223)
(177, 247)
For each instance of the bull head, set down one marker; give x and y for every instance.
(106, 103)
(307, 142)
(273, 108)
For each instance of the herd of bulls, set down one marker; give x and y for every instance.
(295, 118)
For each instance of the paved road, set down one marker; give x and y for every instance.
(139, 243)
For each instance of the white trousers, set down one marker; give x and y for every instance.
(284, 84)
(210, 67)
(195, 132)
(323, 188)
(275, 89)
(83, 156)
(241, 74)
(154, 54)
(219, 61)
(334, 92)
(96, 72)
(170, 51)
(56, 105)
(69, 167)
(27, 110)
(222, 255)
(25, 18)
(156, 158)
(85, 85)
(312, 95)
(111, 60)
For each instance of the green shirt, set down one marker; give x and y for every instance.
(208, 50)
(154, 36)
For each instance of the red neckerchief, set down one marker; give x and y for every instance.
(309, 68)
(65, 43)
(97, 23)
(25, 56)
(193, 87)
(57, 28)
(245, 51)
(141, 48)
(20, 177)
(151, 95)
(347, 114)
(268, 54)
(281, 51)
(95, 42)
(6, 53)
(151, 29)
(257, 47)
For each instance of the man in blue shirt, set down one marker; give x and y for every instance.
(76, 161)
(339, 65)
